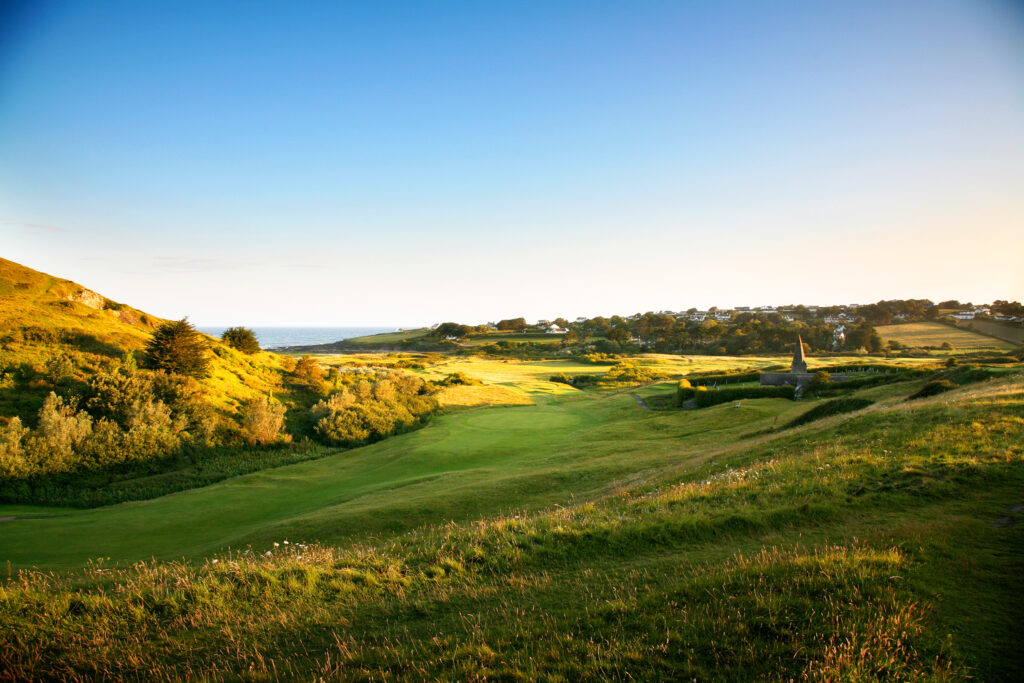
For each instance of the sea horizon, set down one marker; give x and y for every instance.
(280, 336)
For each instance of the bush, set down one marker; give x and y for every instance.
(821, 380)
(459, 378)
(368, 411)
(179, 348)
(241, 338)
(934, 387)
(628, 372)
(709, 397)
(829, 408)
(262, 421)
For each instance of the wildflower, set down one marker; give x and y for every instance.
(276, 544)
(267, 554)
(214, 561)
(285, 542)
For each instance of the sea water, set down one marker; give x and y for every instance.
(277, 337)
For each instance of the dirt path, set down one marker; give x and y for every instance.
(641, 402)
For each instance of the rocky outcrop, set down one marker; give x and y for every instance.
(89, 298)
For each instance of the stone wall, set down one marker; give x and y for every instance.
(782, 379)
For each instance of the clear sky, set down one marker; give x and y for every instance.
(380, 162)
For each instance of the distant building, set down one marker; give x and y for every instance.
(797, 375)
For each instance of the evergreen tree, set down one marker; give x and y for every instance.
(241, 338)
(178, 348)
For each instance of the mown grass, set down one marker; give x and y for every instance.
(853, 548)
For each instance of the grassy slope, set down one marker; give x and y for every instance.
(36, 307)
(641, 545)
(935, 334)
(387, 338)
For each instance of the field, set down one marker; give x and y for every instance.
(388, 338)
(936, 334)
(573, 536)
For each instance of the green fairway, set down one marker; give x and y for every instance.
(462, 465)
(529, 442)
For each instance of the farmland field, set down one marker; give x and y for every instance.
(387, 338)
(936, 334)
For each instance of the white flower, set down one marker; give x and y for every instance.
(276, 544)
(215, 560)
(285, 542)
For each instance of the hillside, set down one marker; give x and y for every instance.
(85, 421)
(579, 537)
(939, 336)
(43, 318)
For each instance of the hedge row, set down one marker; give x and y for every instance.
(705, 397)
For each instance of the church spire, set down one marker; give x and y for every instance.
(799, 363)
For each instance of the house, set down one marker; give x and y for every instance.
(552, 328)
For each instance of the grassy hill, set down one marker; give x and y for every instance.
(43, 318)
(578, 537)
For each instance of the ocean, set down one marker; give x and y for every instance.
(276, 337)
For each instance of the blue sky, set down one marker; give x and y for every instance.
(405, 162)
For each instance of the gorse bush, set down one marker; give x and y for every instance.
(308, 372)
(179, 348)
(262, 421)
(242, 339)
(68, 439)
(369, 410)
(630, 372)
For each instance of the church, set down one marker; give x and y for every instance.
(797, 375)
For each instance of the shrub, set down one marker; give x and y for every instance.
(179, 348)
(829, 408)
(262, 420)
(709, 397)
(934, 387)
(242, 339)
(368, 411)
(821, 380)
(632, 373)
(59, 369)
(459, 379)
(308, 371)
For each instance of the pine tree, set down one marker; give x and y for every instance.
(178, 348)
(241, 338)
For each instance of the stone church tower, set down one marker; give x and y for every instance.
(799, 363)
